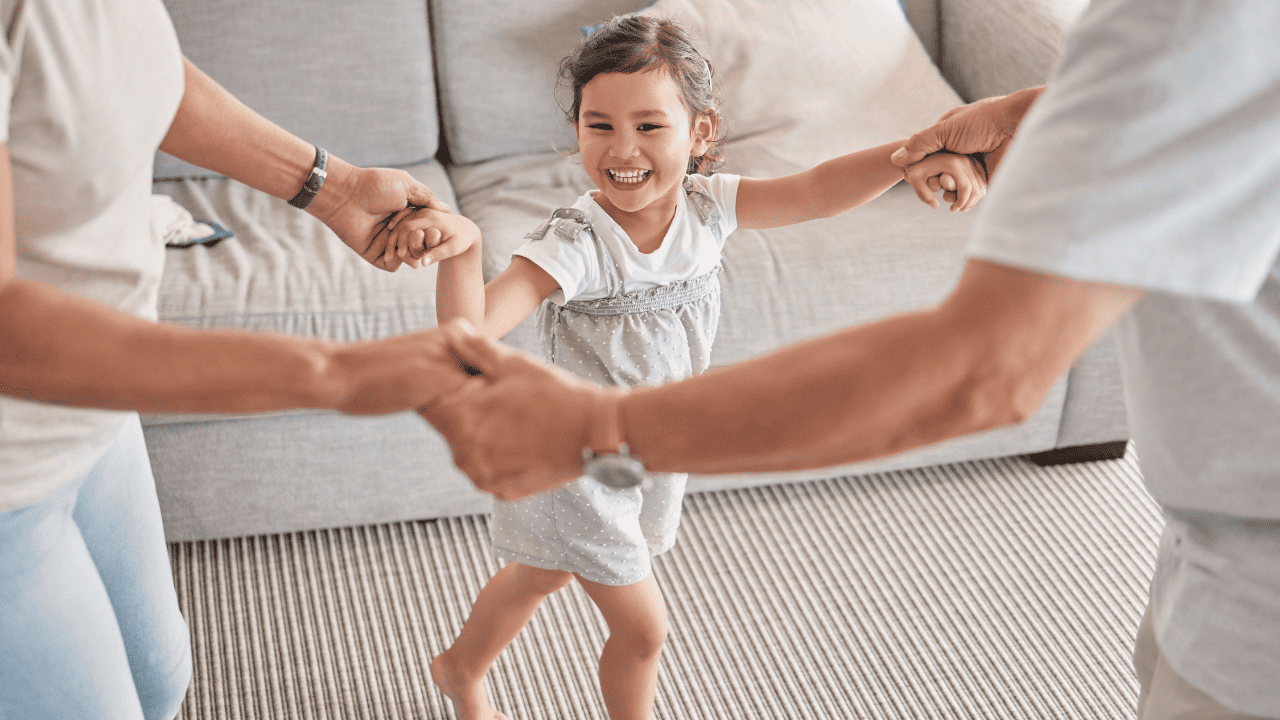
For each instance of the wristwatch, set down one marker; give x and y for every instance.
(311, 186)
(607, 458)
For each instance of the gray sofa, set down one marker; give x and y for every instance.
(458, 92)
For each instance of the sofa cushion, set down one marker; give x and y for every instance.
(858, 67)
(815, 79)
(496, 76)
(292, 61)
(286, 272)
(995, 47)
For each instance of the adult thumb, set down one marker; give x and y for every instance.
(916, 148)
(419, 194)
(477, 354)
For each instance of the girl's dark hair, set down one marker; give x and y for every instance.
(634, 43)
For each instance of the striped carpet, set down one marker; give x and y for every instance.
(991, 589)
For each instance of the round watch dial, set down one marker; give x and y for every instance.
(616, 471)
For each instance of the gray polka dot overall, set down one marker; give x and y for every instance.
(641, 338)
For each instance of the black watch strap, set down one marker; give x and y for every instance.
(314, 181)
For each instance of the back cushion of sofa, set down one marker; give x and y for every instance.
(353, 77)
(995, 47)
(497, 64)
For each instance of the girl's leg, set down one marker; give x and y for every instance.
(637, 620)
(502, 609)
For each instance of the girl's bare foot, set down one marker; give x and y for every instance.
(470, 701)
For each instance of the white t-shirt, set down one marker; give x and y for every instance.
(689, 249)
(1152, 160)
(87, 92)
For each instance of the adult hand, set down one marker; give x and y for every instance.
(367, 204)
(517, 429)
(983, 128)
(398, 373)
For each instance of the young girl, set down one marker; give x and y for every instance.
(628, 274)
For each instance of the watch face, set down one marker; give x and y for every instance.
(616, 471)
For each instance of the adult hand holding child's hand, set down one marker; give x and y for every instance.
(425, 235)
(517, 429)
(984, 128)
(365, 198)
(961, 178)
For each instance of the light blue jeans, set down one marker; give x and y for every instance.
(89, 620)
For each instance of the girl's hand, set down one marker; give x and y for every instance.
(422, 236)
(354, 203)
(961, 179)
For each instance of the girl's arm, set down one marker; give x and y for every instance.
(494, 309)
(828, 189)
(455, 244)
(513, 295)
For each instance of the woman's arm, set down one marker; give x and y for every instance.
(59, 348)
(212, 129)
(828, 189)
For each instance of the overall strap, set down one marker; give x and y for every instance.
(572, 225)
(706, 207)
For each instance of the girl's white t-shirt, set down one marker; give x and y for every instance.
(690, 248)
(87, 92)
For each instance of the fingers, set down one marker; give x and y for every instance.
(413, 237)
(413, 243)
(522, 486)
(419, 242)
(973, 186)
(431, 238)
(421, 195)
(949, 186)
(921, 181)
(960, 179)
(965, 195)
(382, 251)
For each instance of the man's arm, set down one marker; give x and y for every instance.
(213, 129)
(984, 358)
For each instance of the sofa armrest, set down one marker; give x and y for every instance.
(994, 47)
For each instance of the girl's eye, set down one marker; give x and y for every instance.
(649, 126)
(600, 126)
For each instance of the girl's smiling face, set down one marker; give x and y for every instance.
(636, 138)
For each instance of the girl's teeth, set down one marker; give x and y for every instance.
(628, 176)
